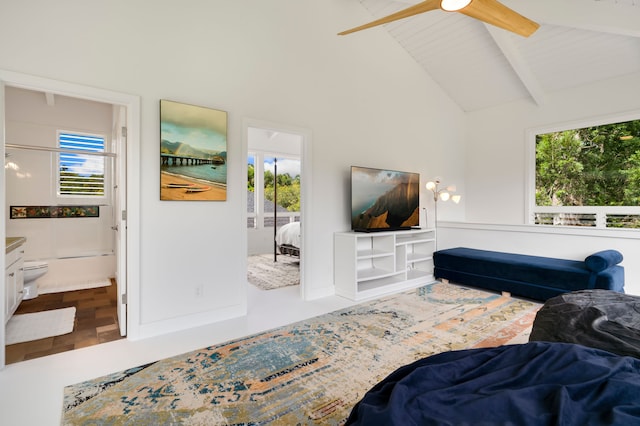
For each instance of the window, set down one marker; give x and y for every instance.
(251, 192)
(81, 165)
(588, 176)
(260, 206)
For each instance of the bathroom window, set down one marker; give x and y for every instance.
(81, 165)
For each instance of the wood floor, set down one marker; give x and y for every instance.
(96, 322)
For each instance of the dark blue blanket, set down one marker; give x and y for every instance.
(538, 383)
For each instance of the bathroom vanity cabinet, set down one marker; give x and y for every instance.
(14, 276)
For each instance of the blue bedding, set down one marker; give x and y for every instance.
(538, 383)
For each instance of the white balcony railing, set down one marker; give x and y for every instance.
(595, 217)
(266, 220)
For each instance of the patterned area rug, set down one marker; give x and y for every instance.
(307, 373)
(266, 274)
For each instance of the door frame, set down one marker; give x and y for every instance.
(306, 211)
(130, 161)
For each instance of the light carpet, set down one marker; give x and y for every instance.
(266, 274)
(38, 325)
(308, 373)
(59, 287)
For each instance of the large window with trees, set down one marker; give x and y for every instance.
(588, 176)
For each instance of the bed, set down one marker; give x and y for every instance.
(287, 239)
(563, 375)
(538, 383)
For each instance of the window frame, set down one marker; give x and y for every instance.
(258, 216)
(105, 154)
(600, 212)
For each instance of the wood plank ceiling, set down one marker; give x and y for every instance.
(480, 66)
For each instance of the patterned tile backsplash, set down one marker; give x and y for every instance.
(53, 212)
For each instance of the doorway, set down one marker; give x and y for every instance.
(124, 208)
(275, 221)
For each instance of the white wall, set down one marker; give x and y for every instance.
(364, 100)
(30, 179)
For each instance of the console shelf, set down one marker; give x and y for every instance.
(368, 265)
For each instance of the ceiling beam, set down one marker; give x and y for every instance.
(50, 98)
(514, 57)
(603, 16)
(607, 16)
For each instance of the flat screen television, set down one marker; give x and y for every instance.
(384, 200)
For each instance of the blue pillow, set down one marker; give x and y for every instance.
(602, 260)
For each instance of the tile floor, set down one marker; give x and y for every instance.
(96, 322)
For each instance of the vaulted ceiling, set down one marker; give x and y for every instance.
(480, 66)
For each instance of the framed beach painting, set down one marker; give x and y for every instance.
(193, 153)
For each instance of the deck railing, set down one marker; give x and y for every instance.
(597, 217)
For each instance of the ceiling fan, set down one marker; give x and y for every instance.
(489, 11)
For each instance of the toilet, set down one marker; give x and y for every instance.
(32, 271)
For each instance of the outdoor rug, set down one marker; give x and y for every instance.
(39, 325)
(308, 373)
(266, 274)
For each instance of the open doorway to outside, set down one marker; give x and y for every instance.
(276, 192)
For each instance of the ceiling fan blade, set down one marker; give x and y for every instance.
(425, 6)
(495, 13)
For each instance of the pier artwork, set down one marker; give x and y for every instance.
(176, 186)
(181, 188)
(183, 160)
(193, 152)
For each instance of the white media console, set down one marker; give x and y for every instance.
(368, 265)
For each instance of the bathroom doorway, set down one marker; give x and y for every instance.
(65, 250)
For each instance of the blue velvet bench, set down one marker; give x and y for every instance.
(534, 277)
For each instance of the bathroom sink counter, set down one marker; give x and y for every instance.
(13, 243)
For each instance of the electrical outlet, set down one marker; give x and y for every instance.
(199, 290)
